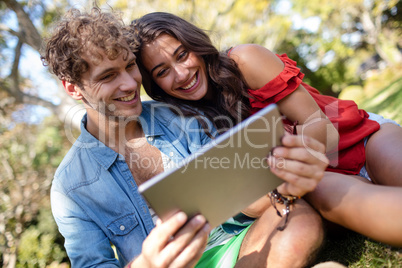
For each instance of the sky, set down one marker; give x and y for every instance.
(31, 67)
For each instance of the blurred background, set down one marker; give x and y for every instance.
(351, 49)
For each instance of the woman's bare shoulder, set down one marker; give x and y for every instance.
(245, 51)
(257, 63)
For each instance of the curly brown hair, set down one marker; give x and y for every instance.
(78, 32)
(225, 79)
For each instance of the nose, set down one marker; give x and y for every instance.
(181, 73)
(129, 82)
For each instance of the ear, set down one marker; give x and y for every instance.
(73, 90)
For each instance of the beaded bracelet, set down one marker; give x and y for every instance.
(287, 200)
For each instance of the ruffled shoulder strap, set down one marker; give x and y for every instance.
(281, 86)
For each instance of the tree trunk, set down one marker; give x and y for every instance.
(9, 260)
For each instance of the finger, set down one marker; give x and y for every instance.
(295, 185)
(299, 168)
(162, 233)
(301, 177)
(194, 250)
(182, 238)
(303, 141)
(159, 237)
(302, 154)
(158, 222)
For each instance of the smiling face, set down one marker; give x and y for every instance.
(111, 87)
(177, 71)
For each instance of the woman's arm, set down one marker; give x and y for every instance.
(259, 66)
(86, 244)
(256, 209)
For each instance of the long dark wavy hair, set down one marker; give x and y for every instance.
(231, 100)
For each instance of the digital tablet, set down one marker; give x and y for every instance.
(223, 177)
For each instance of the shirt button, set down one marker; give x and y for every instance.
(122, 227)
(171, 154)
(150, 138)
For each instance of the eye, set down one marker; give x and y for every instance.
(131, 65)
(107, 77)
(161, 72)
(182, 55)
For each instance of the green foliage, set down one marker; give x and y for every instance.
(53, 12)
(49, 142)
(30, 155)
(328, 77)
(49, 16)
(37, 245)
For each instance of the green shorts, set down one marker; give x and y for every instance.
(223, 256)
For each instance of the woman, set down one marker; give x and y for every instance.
(181, 66)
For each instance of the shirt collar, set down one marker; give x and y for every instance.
(150, 124)
(103, 154)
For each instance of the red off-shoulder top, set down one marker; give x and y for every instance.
(351, 122)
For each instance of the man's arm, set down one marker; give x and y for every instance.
(85, 243)
(174, 243)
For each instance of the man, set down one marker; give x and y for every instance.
(94, 195)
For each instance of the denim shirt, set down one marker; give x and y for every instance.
(94, 197)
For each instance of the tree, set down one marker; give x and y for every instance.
(349, 33)
(16, 89)
(29, 153)
(230, 22)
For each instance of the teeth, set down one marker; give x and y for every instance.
(191, 84)
(128, 98)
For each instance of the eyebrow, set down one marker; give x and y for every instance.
(102, 73)
(160, 64)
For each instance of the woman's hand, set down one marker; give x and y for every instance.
(300, 162)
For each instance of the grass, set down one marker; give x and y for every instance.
(387, 101)
(356, 251)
